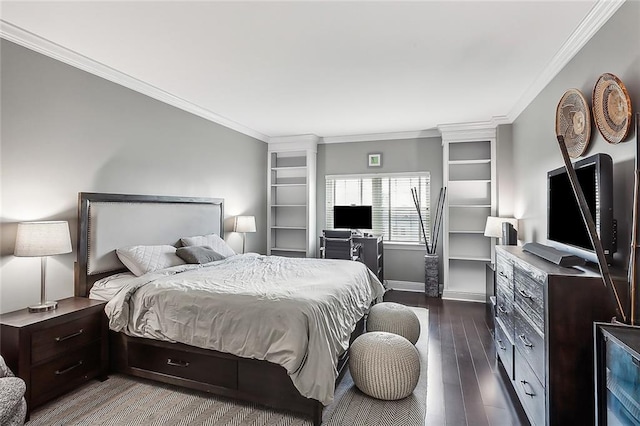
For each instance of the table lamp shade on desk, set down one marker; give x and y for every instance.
(42, 239)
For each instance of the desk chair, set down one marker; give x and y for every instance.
(339, 245)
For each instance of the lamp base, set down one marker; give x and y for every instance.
(43, 307)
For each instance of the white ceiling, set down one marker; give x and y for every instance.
(332, 69)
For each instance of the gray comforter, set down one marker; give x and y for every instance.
(298, 313)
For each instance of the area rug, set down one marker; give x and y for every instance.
(124, 400)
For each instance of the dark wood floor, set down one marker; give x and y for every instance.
(465, 386)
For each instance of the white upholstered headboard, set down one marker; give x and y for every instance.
(110, 221)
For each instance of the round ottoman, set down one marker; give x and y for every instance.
(384, 365)
(394, 318)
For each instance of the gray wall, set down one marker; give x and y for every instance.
(406, 155)
(65, 131)
(615, 49)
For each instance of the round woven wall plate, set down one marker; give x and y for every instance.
(611, 108)
(573, 122)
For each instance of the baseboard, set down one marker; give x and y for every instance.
(405, 286)
(464, 296)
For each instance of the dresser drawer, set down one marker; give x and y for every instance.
(530, 392)
(529, 343)
(504, 270)
(58, 375)
(504, 308)
(504, 349)
(183, 364)
(529, 295)
(53, 341)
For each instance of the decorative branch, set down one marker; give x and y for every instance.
(591, 227)
(438, 218)
(416, 202)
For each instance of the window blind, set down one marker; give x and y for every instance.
(393, 212)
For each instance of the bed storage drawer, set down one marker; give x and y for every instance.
(217, 371)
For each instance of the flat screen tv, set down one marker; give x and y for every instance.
(565, 227)
(352, 217)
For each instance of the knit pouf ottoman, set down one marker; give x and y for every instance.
(384, 365)
(394, 318)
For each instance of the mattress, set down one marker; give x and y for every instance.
(295, 312)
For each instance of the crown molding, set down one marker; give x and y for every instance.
(53, 50)
(595, 19)
(428, 133)
(472, 131)
(294, 143)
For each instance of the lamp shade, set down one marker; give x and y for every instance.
(42, 239)
(493, 227)
(245, 224)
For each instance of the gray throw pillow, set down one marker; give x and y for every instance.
(198, 254)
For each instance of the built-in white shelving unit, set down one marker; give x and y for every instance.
(291, 195)
(470, 177)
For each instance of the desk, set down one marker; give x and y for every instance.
(371, 253)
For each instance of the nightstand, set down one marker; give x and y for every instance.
(56, 351)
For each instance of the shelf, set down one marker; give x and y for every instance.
(470, 181)
(470, 205)
(288, 184)
(466, 232)
(288, 205)
(302, 228)
(481, 161)
(470, 258)
(289, 168)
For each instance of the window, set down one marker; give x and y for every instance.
(394, 214)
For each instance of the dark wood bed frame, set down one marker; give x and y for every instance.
(216, 372)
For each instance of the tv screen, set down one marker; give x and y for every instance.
(352, 217)
(565, 227)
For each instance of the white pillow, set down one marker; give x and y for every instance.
(212, 240)
(143, 259)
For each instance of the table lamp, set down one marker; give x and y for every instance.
(42, 239)
(244, 224)
(502, 227)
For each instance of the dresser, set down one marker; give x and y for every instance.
(544, 334)
(56, 351)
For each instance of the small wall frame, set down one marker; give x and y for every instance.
(375, 160)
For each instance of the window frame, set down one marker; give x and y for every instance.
(424, 204)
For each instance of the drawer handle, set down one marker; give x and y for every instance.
(525, 341)
(526, 385)
(502, 309)
(502, 274)
(500, 345)
(66, 370)
(525, 294)
(177, 363)
(70, 336)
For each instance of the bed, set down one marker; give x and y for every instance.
(295, 318)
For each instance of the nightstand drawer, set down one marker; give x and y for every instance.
(58, 375)
(53, 341)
